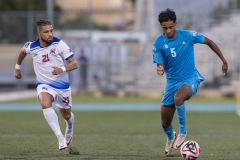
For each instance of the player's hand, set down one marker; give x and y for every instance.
(225, 68)
(160, 69)
(56, 70)
(17, 73)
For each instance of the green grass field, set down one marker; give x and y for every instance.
(119, 135)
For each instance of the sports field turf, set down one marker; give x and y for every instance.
(116, 135)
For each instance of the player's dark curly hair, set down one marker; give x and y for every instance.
(167, 15)
(43, 22)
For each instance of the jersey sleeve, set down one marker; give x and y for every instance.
(26, 47)
(65, 50)
(158, 57)
(197, 37)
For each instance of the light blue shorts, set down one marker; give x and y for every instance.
(171, 88)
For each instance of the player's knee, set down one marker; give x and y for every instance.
(45, 104)
(165, 125)
(67, 116)
(178, 101)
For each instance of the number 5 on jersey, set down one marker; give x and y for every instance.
(173, 52)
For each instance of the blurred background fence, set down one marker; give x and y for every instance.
(117, 37)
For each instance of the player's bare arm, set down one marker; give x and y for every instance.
(72, 64)
(215, 48)
(17, 70)
(160, 69)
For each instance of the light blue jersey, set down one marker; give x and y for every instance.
(177, 55)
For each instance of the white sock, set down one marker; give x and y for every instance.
(52, 119)
(70, 122)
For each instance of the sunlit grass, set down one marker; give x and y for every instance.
(111, 135)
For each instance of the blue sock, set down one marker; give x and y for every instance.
(169, 132)
(181, 114)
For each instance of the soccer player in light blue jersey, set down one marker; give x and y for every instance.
(49, 54)
(173, 52)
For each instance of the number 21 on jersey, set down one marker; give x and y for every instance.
(45, 58)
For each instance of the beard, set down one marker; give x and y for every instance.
(48, 42)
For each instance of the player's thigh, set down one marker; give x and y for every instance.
(45, 99)
(186, 90)
(45, 95)
(167, 113)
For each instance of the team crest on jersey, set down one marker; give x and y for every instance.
(166, 46)
(52, 51)
(182, 42)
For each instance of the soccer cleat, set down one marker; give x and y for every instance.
(62, 143)
(179, 141)
(169, 145)
(69, 134)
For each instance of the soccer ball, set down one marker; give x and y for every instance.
(190, 150)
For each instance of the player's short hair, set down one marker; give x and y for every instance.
(42, 22)
(167, 15)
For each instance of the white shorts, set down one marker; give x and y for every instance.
(62, 97)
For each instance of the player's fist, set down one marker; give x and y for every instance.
(160, 69)
(56, 70)
(224, 68)
(17, 73)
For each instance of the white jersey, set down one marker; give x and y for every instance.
(44, 58)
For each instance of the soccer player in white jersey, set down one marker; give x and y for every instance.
(173, 52)
(49, 54)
